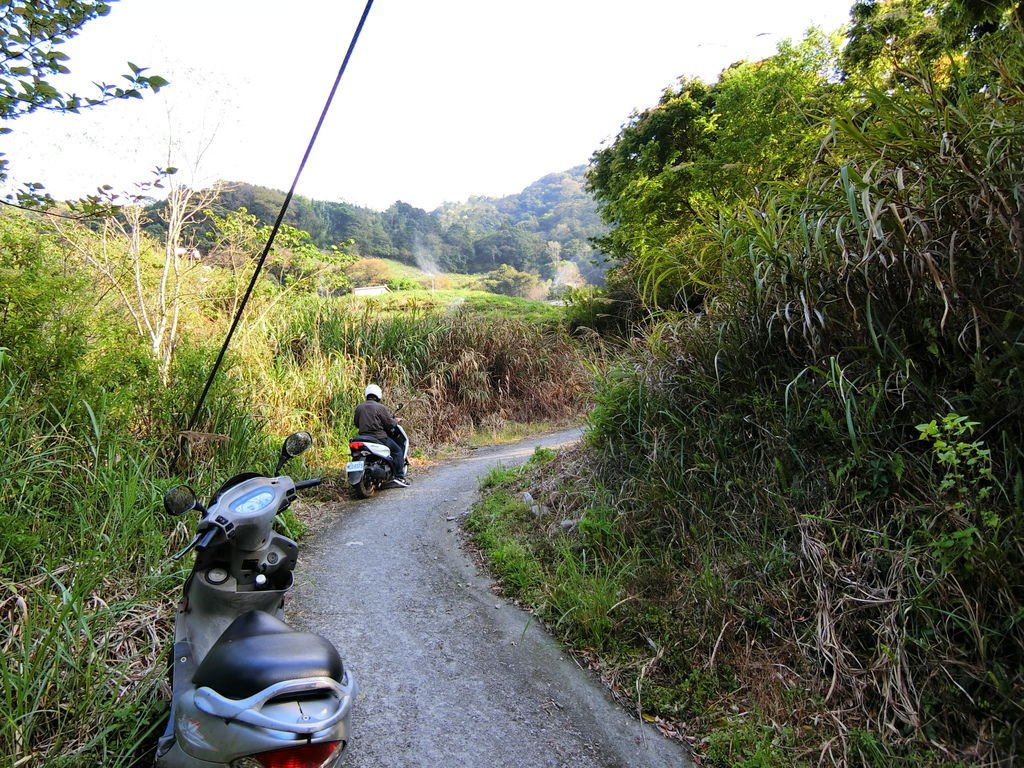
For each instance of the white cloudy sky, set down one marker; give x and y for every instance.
(442, 99)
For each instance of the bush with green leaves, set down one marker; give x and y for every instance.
(819, 460)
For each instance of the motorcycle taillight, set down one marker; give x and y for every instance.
(322, 755)
(356, 446)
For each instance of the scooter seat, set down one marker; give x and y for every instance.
(258, 650)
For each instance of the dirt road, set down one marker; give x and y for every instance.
(450, 675)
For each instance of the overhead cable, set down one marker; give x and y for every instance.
(280, 218)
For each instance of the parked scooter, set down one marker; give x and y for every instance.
(370, 467)
(248, 691)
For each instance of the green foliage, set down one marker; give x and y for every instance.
(967, 467)
(771, 117)
(41, 317)
(237, 239)
(642, 181)
(573, 587)
(509, 247)
(679, 169)
(586, 593)
(509, 281)
(493, 525)
(497, 476)
(887, 36)
(31, 36)
(967, 479)
(403, 284)
(788, 507)
(76, 528)
(747, 744)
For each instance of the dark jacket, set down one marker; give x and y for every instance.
(373, 418)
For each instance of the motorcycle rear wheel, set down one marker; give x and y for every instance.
(365, 488)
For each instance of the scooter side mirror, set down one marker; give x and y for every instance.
(180, 500)
(294, 445)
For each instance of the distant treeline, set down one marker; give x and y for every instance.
(551, 221)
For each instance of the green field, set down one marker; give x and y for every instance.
(478, 303)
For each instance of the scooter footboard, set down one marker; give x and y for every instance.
(319, 712)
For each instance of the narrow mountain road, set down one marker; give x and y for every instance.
(450, 675)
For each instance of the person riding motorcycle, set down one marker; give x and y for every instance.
(373, 418)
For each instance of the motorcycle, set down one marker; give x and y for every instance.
(248, 691)
(370, 467)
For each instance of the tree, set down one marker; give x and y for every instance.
(42, 303)
(771, 116)
(510, 245)
(703, 151)
(368, 272)
(31, 34)
(888, 36)
(509, 281)
(235, 241)
(642, 181)
(148, 277)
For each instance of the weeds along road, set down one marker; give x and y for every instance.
(450, 675)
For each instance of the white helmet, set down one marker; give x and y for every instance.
(373, 390)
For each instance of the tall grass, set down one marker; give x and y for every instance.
(817, 481)
(453, 369)
(93, 437)
(78, 586)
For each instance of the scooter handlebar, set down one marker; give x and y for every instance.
(199, 541)
(203, 539)
(207, 537)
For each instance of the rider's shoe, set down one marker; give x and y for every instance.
(400, 482)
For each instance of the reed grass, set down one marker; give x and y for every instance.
(454, 370)
(814, 486)
(80, 558)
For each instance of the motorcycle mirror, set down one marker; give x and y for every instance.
(297, 443)
(294, 444)
(179, 500)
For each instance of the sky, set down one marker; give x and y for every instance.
(442, 100)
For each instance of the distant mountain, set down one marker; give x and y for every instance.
(549, 222)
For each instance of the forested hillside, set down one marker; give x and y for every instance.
(795, 535)
(543, 230)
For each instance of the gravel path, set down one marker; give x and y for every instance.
(451, 675)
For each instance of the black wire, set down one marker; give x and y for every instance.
(280, 218)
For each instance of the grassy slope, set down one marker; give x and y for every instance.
(85, 581)
(447, 280)
(477, 303)
(803, 537)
